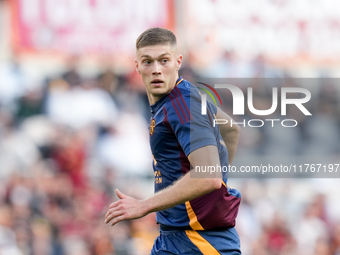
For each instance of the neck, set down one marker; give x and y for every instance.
(154, 98)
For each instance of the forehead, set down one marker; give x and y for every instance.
(155, 51)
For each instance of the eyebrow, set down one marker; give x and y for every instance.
(147, 56)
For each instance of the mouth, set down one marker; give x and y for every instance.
(157, 82)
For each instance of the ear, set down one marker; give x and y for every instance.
(179, 62)
(136, 65)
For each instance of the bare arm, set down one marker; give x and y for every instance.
(230, 134)
(185, 189)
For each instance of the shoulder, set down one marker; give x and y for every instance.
(184, 92)
(188, 89)
(181, 100)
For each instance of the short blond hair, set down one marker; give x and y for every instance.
(156, 36)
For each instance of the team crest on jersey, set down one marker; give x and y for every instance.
(152, 126)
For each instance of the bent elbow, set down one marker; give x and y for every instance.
(214, 184)
(217, 184)
(237, 128)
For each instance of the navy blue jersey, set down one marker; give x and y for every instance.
(178, 128)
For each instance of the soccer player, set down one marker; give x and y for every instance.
(196, 215)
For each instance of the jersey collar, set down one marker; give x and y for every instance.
(179, 80)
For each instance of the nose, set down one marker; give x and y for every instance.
(156, 68)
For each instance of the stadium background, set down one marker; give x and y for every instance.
(74, 118)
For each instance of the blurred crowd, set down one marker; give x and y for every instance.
(66, 145)
(67, 142)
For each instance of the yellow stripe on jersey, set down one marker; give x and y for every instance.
(225, 184)
(179, 82)
(203, 245)
(194, 224)
(154, 160)
(223, 143)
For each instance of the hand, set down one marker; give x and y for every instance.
(126, 208)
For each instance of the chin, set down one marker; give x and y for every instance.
(159, 92)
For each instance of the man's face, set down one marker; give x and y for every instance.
(158, 65)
